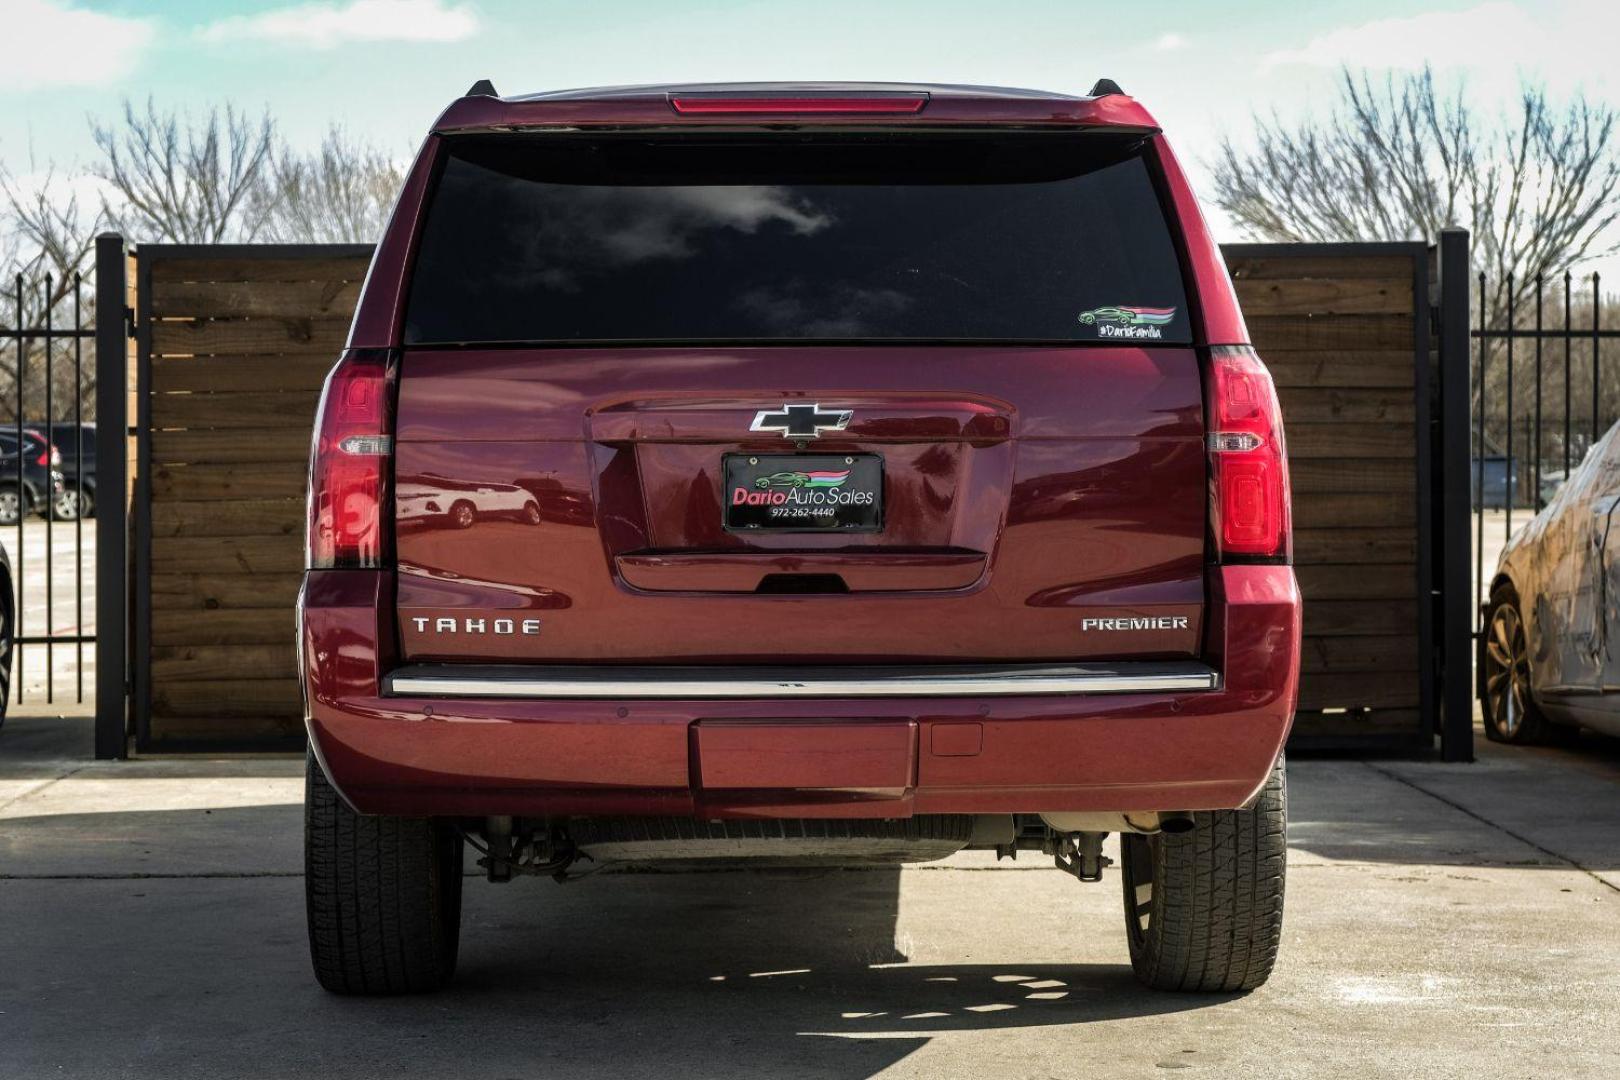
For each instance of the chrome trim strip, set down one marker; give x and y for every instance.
(442, 680)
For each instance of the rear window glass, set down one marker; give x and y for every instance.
(630, 239)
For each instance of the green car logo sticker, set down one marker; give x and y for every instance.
(1128, 322)
(813, 479)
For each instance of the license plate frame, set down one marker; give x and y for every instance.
(814, 500)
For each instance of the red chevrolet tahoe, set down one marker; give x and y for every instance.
(815, 473)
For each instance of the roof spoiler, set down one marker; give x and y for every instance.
(485, 88)
(1104, 88)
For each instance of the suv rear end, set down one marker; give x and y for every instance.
(30, 480)
(809, 473)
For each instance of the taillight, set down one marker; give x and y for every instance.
(1248, 459)
(350, 464)
(44, 457)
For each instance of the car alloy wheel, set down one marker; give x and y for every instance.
(66, 506)
(1507, 672)
(10, 508)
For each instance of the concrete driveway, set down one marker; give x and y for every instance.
(1442, 921)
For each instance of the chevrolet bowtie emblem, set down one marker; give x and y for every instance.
(801, 421)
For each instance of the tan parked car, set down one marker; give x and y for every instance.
(1550, 655)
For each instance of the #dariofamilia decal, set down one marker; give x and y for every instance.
(1128, 322)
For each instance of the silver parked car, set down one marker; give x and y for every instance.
(1550, 655)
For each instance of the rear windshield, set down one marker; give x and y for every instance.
(548, 238)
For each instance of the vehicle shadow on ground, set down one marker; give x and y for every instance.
(779, 973)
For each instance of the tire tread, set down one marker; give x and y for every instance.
(1216, 917)
(383, 896)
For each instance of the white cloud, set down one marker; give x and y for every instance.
(53, 43)
(1569, 43)
(1441, 38)
(328, 25)
(1170, 43)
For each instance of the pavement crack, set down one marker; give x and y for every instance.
(1503, 829)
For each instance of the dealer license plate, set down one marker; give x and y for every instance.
(804, 492)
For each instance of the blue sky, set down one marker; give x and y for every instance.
(384, 68)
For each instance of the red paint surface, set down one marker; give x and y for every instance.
(743, 571)
(1106, 752)
(1026, 488)
(1073, 478)
(817, 768)
(1217, 319)
(955, 740)
(651, 105)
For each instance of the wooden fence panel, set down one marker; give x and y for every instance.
(1342, 334)
(240, 340)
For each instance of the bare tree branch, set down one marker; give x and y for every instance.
(46, 245)
(186, 181)
(343, 193)
(1398, 160)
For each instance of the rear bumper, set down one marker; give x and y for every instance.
(886, 755)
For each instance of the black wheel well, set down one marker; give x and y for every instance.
(1498, 582)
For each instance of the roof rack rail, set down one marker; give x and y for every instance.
(1105, 87)
(484, 88)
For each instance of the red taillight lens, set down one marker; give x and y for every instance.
(1248, 458)
(744, 105)
(350, 464)
(44, 457)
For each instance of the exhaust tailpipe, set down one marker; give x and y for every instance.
(1176, 821)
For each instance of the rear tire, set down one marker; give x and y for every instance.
(1203, 908)
(383, 896)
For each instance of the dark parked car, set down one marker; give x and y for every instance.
(925, 494)
(39, 472)
(1550, 656)
(76, 443)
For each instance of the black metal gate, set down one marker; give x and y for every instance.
(1542, 396)
(64, 340)
(47, 484)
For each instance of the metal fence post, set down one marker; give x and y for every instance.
(1456, 597)
(112, 550)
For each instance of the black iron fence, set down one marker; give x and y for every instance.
(47, 469)
(1542, 394)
